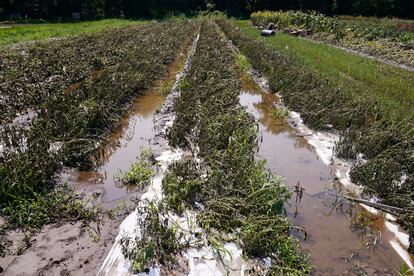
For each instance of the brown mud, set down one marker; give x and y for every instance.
(76, 249)
(66, 249)
(341, 238)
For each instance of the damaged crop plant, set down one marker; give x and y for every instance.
(235, 197)
(77, 89)
(384, 41)
(367, 125)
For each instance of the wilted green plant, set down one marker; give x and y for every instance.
(181, 185)
(60, 204)
(157, 243)
(405, 270)
(140, 173)
(235, 191)
(386, 141)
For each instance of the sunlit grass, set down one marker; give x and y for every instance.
(392, 86)
(31, 32)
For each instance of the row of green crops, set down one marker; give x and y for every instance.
(370, 38)
(387, 144)
(73, 123)
(239, 197)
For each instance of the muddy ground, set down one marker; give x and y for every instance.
(66, 249)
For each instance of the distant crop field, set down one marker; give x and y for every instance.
(16, 33)
(382, 39)
(396, 23)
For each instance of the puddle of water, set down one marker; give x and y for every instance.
(125, 144)
(338, 240)
(286, 152)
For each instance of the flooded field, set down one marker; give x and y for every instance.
(173, 155)
(134, 134)
(341, 238)
(124, 148)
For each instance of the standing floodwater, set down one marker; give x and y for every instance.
(125, 144)
(133, 135)
(341, 239)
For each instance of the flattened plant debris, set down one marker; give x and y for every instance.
(233, 193)
(157, 242)
(80, 88)
(385, 142)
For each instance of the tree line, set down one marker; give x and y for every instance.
(94, 9)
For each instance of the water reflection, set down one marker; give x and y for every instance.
(342, 238)
(134, 133)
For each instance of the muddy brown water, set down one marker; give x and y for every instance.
(124, 148)
(341, 238)
(134, 134)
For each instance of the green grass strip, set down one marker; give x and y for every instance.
(24, 33)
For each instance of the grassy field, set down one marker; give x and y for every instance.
(30, 32)
(394, 87)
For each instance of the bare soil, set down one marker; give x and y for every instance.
(65, 249)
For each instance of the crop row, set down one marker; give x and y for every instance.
(370, 38)
(72, 124)
(239, 196)
(387, 144)
(29, 76)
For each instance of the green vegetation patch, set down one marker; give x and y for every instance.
(61, 203)
(140, 173)
(30, 32)
(182, 185)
